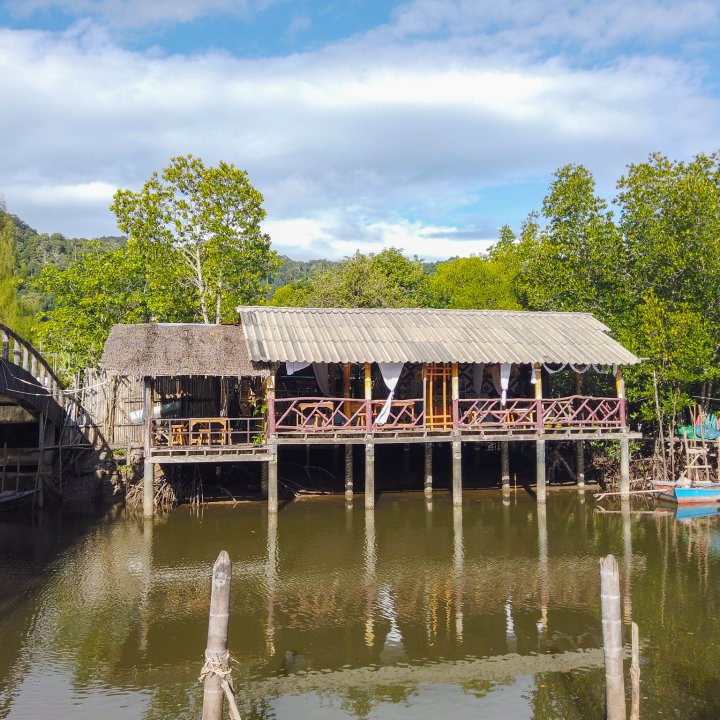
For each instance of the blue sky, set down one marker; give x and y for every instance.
(423, 124)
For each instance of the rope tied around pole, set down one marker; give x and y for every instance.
(219, 665)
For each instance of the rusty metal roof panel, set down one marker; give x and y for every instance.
(427, 335)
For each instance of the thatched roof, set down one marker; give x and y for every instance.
(276, 334)
(159, 349)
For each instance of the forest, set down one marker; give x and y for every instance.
(646, 263)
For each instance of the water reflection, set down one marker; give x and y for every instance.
(353, 614)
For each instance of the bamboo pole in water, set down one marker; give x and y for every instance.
(216, 653)
(612, 638)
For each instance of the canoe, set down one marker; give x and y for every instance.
(9, 499)
(693, 495)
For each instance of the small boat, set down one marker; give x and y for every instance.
(691, 512)
(10, 499)
(688, 495)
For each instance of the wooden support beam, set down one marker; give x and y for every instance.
(579, 444)
(368, 398)
(455, 393)
(148, 467)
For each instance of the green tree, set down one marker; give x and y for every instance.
(575, 262)
(201, 225)
(387, 279)
(486, 282)
(13, 311)
(99, 289)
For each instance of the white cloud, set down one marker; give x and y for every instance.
(367, 143)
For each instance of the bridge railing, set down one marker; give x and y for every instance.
(21, 353)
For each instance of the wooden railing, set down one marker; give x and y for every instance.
(583, 412)
(21, 353)
(342, 415)
(516, 414)
(179, 433)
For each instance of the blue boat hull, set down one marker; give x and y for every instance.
(690, 495)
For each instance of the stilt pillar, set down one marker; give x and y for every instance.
(624, 467)
(579, 444)
(505, 467)
(349, 473)
(428, 475)
(369, 475)
(148, 489)
(457, 472)
(540, 488)
(264, 481)
(272, 483)
(580, 463)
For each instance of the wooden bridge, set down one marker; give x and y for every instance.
(43, 428)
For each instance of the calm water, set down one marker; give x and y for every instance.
(416, 611)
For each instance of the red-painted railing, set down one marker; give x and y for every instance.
(404, 415)
(322, 415)
(583, 412)
(518, 414)
(307, 414)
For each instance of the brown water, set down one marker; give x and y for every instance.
(414, 611)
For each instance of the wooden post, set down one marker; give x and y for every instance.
(635, 674)
(349, 473)
(455, 391)
(270, 397)
(264, 481)
(272, 486)
(505, 467)
(148, 469)
(216, 654)
(369, 474)
(540, 489)
(457, 472)
(428, 479)
(368, 398)
(612, 638)
(620, 388)
(579, 444)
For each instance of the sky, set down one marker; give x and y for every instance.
(424, 125)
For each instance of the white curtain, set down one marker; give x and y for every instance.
(504, 381)
(390, 374)
(292, 367)
(478, 374)
(501, 380)
(321, 375)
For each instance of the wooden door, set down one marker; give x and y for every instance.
(438, 396)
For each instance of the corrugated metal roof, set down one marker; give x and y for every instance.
(276, 334)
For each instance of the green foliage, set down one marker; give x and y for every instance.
(291, 271)
(13, 311)
(387, 279)
(101, 288)
(485, 282)
(200, 226)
